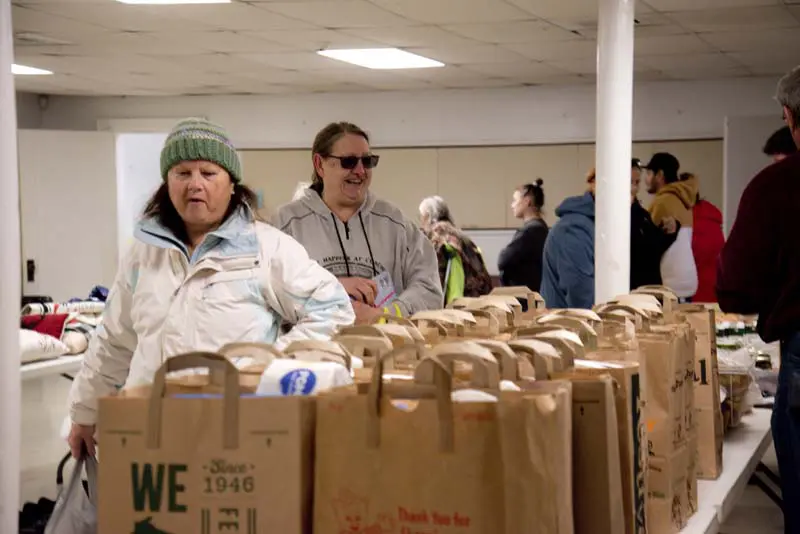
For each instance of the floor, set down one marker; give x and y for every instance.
(755, 511)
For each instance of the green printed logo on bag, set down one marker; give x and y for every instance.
(148, 487)
(146, 526)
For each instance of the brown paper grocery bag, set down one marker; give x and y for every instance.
(708, 409)
(666, 493)
(710, 436)
(662, 359)
(632, 435)
(204, 463)
(423, 463)
(596, 478)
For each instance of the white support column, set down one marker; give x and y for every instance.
(614, 138)
(10, 281)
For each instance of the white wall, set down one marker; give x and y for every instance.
(744, 140)
(138, 176)
(534, 115)
(68, 210)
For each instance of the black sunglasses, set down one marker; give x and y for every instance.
(350, 162)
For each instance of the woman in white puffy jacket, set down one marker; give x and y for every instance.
(201, 273)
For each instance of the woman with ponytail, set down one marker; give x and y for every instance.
(520, 262)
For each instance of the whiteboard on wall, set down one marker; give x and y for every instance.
(491, 243)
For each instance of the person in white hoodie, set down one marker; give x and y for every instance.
(203, 272)
(383, 259)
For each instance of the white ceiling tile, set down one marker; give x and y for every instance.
(700, 5)
(413, 37)
(547, 51)
(279, 76)
(767, 63)
(454, 11)
(238, 17)
(313, 40)
(562, 9)
(297, 61)
(735, 19)
(480, 82)
(589, 65)
(646, 45)
(338, 14)
(525, 69)
(767, 41)
(698, 66)
(526, 31)
(567, 79)
(222, 63)
(26, 20)
(470, 54)
(153, 43)
(228, 41)
(117, 16)
(378, 79)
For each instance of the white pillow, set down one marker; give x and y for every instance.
(35, 346)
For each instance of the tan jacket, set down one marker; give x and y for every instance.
(675, 200)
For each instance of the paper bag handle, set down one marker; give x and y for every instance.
(332, 348)
(568, 352)
(507, 358)
(441, 387)
(361, 330)
(660, 289)
(263, 352)
(215, 363)
(542, 366)
(485, 369)
(578, 313)
(494, 322)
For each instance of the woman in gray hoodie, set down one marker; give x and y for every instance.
(381, 258)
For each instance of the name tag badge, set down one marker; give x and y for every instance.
(385, 289)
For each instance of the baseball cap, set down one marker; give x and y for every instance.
(666, 162)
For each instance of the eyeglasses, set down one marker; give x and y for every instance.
(350, 162)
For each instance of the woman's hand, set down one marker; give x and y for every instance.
(366, 314)
(361, 289)
(80, 435)
(669, 225)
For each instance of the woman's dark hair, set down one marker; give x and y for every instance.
(323, 144)
(780, 143)
(534, 191)
(161, 208)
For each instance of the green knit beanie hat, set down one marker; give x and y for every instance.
(198, 139)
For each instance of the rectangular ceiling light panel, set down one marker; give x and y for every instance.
(23, 70)
(381, 58)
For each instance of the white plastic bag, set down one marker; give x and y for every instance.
(296, 377)
(75, 512)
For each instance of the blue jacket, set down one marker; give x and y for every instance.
(568, 270)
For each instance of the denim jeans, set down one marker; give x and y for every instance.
(786, 432)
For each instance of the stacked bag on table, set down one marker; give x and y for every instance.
(480, 418)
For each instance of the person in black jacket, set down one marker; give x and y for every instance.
(648, 241)
(520, 262)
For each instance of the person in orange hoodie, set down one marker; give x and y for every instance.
(707, 243)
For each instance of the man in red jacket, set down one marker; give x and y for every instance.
(707, 243)
(759, 273)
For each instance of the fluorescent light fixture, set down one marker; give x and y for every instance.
(381, 58)
(22, 70)
(173, 2)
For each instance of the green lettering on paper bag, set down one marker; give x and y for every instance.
(148, 487)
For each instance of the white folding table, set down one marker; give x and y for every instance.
(744, 447)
